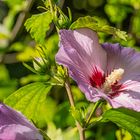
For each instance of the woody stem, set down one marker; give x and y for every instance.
(71, 100)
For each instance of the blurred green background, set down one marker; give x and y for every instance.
(17, 46)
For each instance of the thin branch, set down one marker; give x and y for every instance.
(69, 92)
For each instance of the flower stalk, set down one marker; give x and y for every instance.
(69, 93)
(81, 130)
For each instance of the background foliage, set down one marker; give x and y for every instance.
(41, 102)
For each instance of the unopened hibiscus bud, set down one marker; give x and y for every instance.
(62, 21)
(40, 64)
(14, 126)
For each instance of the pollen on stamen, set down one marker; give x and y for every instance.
(111, 79)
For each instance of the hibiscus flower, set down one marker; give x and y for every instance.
(14, 126)
(102, 71)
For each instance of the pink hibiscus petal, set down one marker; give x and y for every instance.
(93, 94)
(125, 99)
(14, 126)
(18, 132)
(80, 52)
(131, 85)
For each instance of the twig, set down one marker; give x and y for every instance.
(69, 92)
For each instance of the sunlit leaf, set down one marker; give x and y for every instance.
(29, 99)
(95, 24)
(38, 25)
(114, 11)
(127, 119)
(14, 2)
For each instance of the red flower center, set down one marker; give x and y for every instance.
(99, 80)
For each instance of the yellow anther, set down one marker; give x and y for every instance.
(111, 79)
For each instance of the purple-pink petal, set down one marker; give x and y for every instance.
(14, 126)
(80, 52)
(129, 60)
(86, 45)
(127, 99)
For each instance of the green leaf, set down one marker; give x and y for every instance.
(38, 25)
(114, 10)
(13, 3)
(125, 118)
(29, 99)
(97, 25)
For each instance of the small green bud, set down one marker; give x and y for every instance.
(40, 64)
(62, 21)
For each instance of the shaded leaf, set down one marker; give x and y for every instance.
(136, 23)
(29, 99)
(77, 115)
(125, 118)
(96, 25)
(38, 25)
